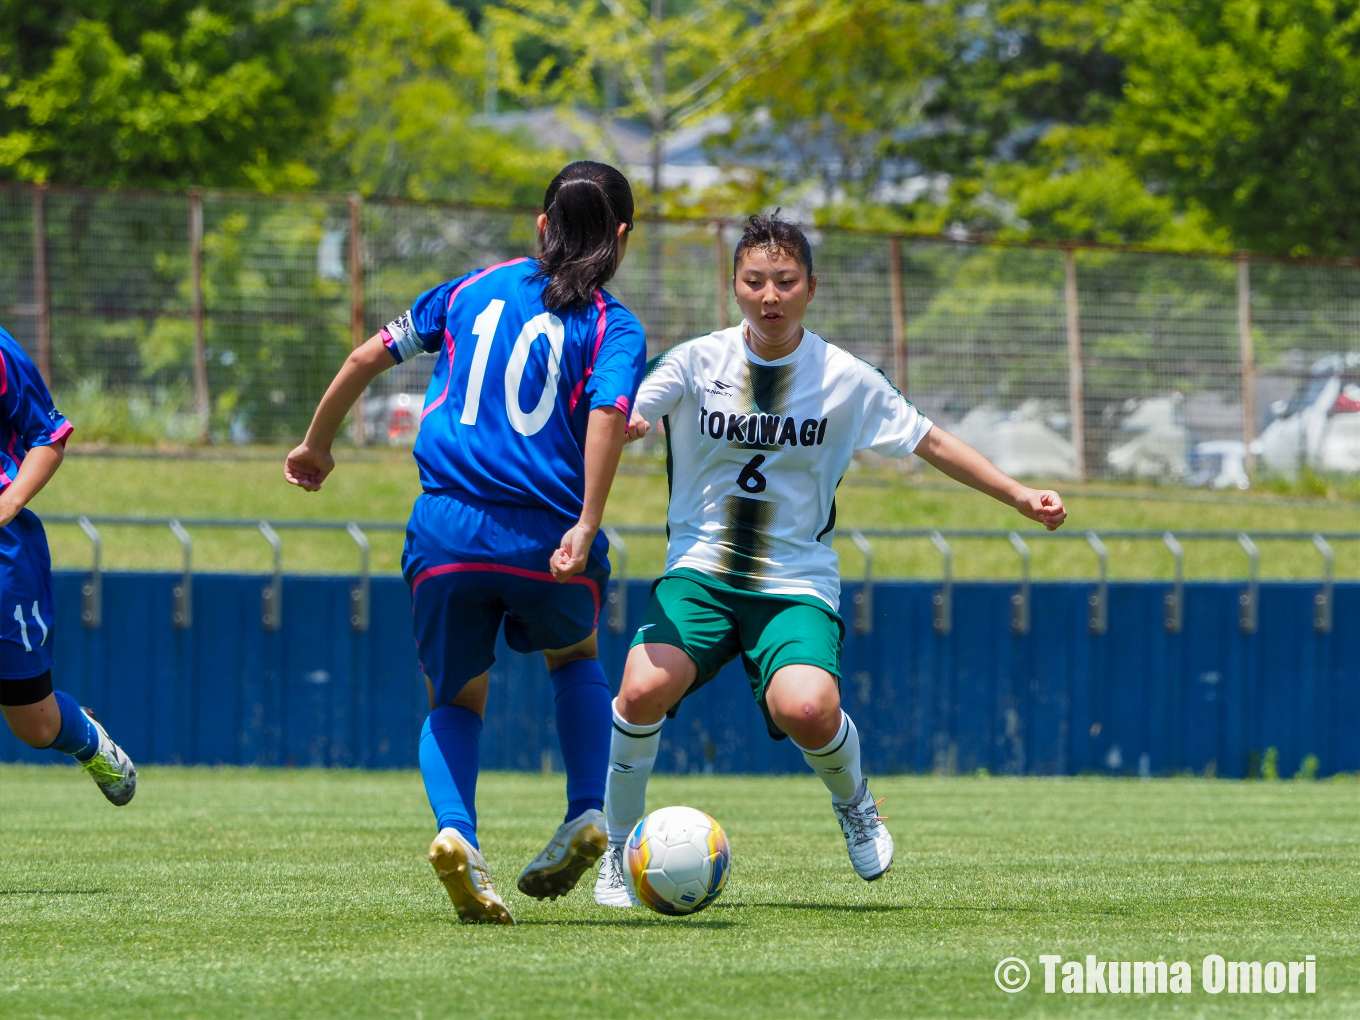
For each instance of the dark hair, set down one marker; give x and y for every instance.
(776, 237)
(585, 204)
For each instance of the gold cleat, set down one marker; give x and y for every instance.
(574, 848)
(459, 865)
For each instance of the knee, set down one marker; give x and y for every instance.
(810, 720)
(556, 660)
(654, 679)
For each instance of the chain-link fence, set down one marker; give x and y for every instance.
(220, 318)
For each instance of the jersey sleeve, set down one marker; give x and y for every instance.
(421, 330)
(892, 426)
(619, 360)
(25, 401)
(663, 385)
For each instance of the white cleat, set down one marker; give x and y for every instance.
(866, 837)
(111, 768)
(464, 873)
(575, 846)
(610, 888)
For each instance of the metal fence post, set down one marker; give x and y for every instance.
(1248, 355)
(359, 593)
(1076, 398)
(724, 274)
(1247, 601)
(356, 304)
(201, 401)
(182, 606)
(1020, 599)
(271, 597)
(1099, 617)
(92, 590)
(942, 602)
(864, 598)
(1322, 601)
(617, 600)
(1175, 598)
(899, 313)
(42, 287)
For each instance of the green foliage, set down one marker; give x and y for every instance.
(1270, 765)
(1308, 768)
(403, 120)
(1249, 108)
(163, 415)
(226, 93)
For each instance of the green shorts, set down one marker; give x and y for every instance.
(713, 623)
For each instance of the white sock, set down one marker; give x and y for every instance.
(838, 762)
(632, 753)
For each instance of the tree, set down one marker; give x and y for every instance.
(402, 123)
(163, 94)
(665, 63)
(834, 89)
(1249, 108)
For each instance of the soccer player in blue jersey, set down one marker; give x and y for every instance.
(523, 424)
(32, 443)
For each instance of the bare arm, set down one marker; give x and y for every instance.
(605, 434)
(39, 465)
(309, 464)
(962, 463)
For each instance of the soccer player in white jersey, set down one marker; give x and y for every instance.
(761, 422)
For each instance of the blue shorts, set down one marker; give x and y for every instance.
(26, 605)
(470, 566)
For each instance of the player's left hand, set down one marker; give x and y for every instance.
(571, 555)
(8, 511)
(1044, 506)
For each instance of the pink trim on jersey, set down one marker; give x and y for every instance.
(622, 405)
(600, 322)
(448, 345)
(501, 568)
(448, 337)
(473, 279)
(387, 338)
(66, 429)
(4, 377)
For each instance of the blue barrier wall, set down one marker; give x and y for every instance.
(1058, 700)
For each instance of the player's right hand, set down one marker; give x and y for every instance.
(638, 427)
(308, 468)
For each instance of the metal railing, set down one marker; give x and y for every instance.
(616, 607)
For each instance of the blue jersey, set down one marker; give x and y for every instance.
(505, 415)
(28, 418)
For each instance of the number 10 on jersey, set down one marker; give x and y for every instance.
(545, 324)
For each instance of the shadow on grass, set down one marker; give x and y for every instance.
(875, 908)
(630, 922)
(53, 892)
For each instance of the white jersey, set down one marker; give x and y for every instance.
(756, 450)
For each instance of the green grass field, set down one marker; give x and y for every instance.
(381, 485)
(242, 893)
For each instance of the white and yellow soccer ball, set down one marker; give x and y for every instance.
(676, 860)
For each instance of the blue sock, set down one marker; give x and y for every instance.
(77, 736)
(450, 743)
(584, 717)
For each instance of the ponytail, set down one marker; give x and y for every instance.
(585, 204)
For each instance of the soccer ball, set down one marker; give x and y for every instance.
(676, 860)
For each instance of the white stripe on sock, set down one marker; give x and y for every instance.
(632, 753)
(838, 762)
